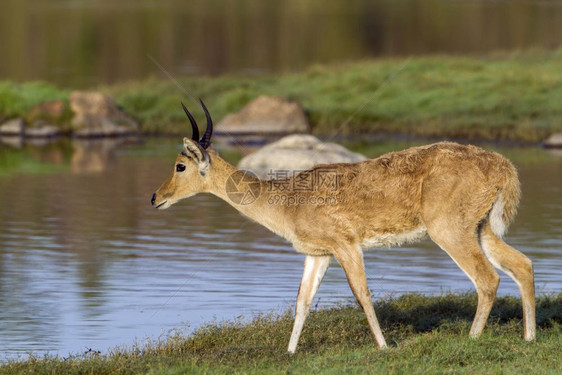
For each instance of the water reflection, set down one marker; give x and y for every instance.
(12, 141)
(86, 262)
(85, 43)
(81, 156)
(96, 155)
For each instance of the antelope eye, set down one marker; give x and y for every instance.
(180, 168)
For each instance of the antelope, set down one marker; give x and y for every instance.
(463, 197)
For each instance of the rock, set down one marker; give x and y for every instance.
(296, 152)
(42, 131)
(39, 129)
(266, 115)
(13, 127)
(96, 115)
(554, 141)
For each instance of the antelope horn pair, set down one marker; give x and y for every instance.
(205, 141)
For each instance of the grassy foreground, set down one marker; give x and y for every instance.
(425, 335)
(506, 96)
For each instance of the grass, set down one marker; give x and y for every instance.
(512, 96)
(425, 334)
(17, 100)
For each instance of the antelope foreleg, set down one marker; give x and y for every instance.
(314, 269)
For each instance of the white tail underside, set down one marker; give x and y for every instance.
(496, 217)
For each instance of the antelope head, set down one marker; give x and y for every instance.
(191, 169)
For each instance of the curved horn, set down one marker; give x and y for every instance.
(195, 135)
(206, 140)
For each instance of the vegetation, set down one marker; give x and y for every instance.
(425, 335)
(17, 99)
(508, 96)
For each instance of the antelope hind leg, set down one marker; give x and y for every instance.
(465, 250)
(351, 261)
(519, 268)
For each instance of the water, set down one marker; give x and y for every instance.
(88, 42)
(85, 262)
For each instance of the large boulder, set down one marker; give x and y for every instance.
(295, 153)
(266, 115)
(554, 141)
(96, 115)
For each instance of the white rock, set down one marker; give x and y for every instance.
(295, 153)
(554, 141)
(12, 127)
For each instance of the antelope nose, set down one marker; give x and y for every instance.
(153, 199)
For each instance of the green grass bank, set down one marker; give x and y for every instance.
(425, 335)
(513, 96)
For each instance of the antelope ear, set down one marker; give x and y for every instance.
(199, 155)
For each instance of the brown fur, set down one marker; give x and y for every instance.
(462, 196)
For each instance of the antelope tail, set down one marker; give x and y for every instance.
(505, 207)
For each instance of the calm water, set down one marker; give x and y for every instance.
(88, 42)
(85, 262)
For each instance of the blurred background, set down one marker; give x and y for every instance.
(81, 43)
(87, 263)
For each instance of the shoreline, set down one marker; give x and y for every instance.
(506, 97)
(259, 140)
(425, 333)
